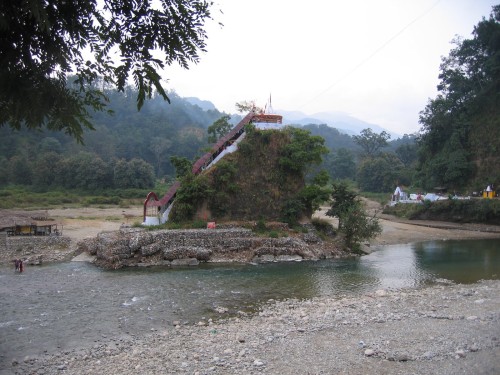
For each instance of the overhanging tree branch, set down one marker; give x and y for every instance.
(41, 42)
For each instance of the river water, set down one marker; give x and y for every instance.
(69, 305)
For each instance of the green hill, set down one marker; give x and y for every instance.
(263, 179)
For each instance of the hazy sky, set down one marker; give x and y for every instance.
(375, 60)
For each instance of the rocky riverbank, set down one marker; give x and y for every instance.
(444, 329)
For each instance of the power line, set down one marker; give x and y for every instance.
(373, 54)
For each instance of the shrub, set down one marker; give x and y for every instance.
(358, 227)
(260, 226)
(102, 200)
(323, 226)
(273, 234)
(199, 224)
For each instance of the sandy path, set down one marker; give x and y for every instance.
(80, 223)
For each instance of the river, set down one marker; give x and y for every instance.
(70, 305)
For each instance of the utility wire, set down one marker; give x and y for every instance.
(363, 62)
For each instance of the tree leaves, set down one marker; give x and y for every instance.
(458, 138)
(303, 150)
(371, 142)
(354, 222)
(219, 129)
(42, 42)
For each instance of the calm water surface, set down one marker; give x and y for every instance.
(69, 305)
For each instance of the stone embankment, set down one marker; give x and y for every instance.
(34, 250)
(139, 247)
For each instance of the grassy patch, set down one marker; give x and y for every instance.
(113, 218)
(22, 197)
(381, 198)
(405, 211)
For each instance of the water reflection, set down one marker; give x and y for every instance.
(460, 261)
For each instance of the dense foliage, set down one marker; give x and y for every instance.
(264, 179)
(342, 199)
(341, 164)
(303, 150)
(460, 141)
(43, 41)
(371, 143)
(153, 136)
(219, 129)
(380, 174)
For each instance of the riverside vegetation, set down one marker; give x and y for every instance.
(484, 211)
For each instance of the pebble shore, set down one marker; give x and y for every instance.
(442, 329)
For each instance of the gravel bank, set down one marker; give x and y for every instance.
(444, 329)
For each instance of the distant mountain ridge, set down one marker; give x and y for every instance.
(343, 122)
(206, 105)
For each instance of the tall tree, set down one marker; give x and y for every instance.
(342, 199)
(135, 173)
(303, 151)
(371, 142)
(380, 174)
(45, 170)
(158, 147)
(460, 135)
(43, 41)
(248, 106)
(20, 171)
(219, 129)
(407, 153)
(341, 164)
(182, 166)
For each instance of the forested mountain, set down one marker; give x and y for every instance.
(158, 131)
(132, 149)
(334, 139)
(346, 155)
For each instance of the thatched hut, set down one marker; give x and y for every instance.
(28, 223)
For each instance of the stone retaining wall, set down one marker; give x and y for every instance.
(138, 247)
(33, 249)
